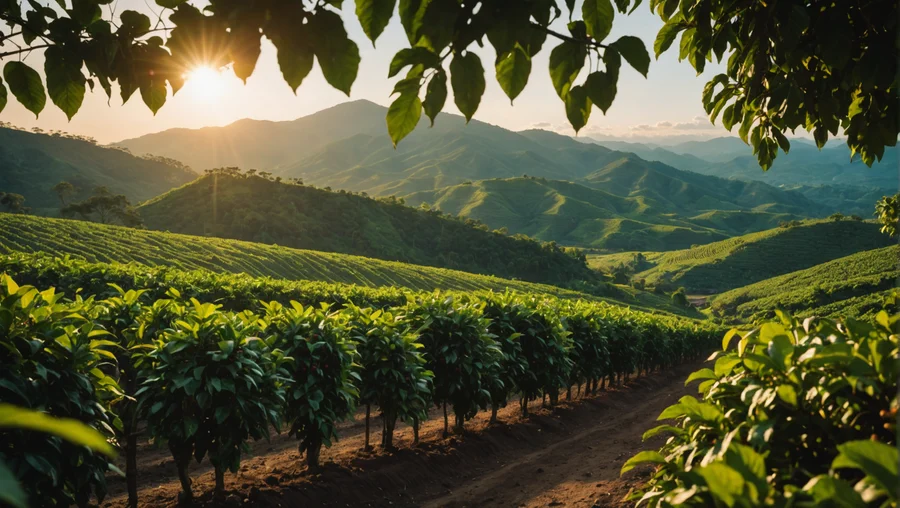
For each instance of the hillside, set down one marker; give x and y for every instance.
(31, 164)
(852, 286)
(573, 214)
(98, 243)
(747, 259)
(256, 209)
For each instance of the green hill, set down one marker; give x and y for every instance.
(256, 209)
(573, 214)
(115, 245)
(852, 286)
(743, 260)
(31, 164)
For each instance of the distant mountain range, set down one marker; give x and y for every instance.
(804, 165)
(31, 164)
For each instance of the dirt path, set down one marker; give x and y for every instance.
(570, 456)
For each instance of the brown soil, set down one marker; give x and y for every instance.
(569, 456)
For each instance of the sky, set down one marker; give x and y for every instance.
(665, 105)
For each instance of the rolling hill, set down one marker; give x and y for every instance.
(184, 254)
(257, 209)
(851, 286)
(31, 164)
(573, 214)
(747, 259)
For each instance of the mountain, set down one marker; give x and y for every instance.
(652, 153)
(852, 286)
(573, 214)
(31, 164)
(747, 259)
(262, 144)
(257, 209)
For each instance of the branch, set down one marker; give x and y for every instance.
(25, 50)
(588, 42)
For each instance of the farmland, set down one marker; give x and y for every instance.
(743, 260)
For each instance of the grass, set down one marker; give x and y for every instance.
(854, 285)
(743, 260)
(97, 243)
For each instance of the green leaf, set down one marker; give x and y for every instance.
(634, 52)
(666, 35)
(601, 88)
(566, 61)
(598, 18)
(338, 56)
(25, 84)
(724, 483)
(413, 56)
(170, 4)
(700, 374)
(830, 491)
(403, 115)
(374, 16)
(435, 95)
(10, 491)
(66, 428)
(295, 59)
(725, 364)
(467, 80)
(154, 94)
(3, 97)
(877, 460)
(513, 70)
(578, 108)
(645, 457)
(65, 82)
(788, 394)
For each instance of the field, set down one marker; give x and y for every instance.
(852, 286)
(743, 260)
(98, 243)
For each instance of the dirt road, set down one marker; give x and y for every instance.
(570, 456)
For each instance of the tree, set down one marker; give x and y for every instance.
(13, 203)
(63, 190)
(679, 298)
(106, 207)
(824, 68)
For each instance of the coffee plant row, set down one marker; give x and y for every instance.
(792, 414)
(206, 381)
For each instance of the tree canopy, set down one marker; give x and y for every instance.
(828, 68)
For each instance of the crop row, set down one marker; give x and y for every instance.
(206, 380)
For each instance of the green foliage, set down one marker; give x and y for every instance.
(52, 356)
(887, 209)
(828, 289)
(104, 207)
(680, 298)
(747, 259)
(13, 203)
(777, 57)
(319, 362)
(212, 385)
(392, 368)
(463, 356)
(796, 412)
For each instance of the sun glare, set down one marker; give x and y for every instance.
(206, 83)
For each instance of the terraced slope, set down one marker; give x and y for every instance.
(852, 286)
(747, 259)
(115, 244)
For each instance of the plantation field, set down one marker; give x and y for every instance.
(852, 286)
(743, 260)
(275, 265)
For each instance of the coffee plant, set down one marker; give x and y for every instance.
(212, 385)
(792, 413)
(319, 362)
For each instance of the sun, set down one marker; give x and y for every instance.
(206, 84)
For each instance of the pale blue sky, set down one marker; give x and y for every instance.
(666, 103)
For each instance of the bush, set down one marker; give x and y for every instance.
(798, 413)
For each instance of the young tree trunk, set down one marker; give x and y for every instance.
(446, 423)
(602, 383)
(569, 393)
(415, 431)
(460, 424)
(368, 412)
(544, 399)
(131, 465)
(554, 397)
(313, 452)
(182, 456)
(219, 493)
(494, 407)
(524, 403)
(387, 441)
